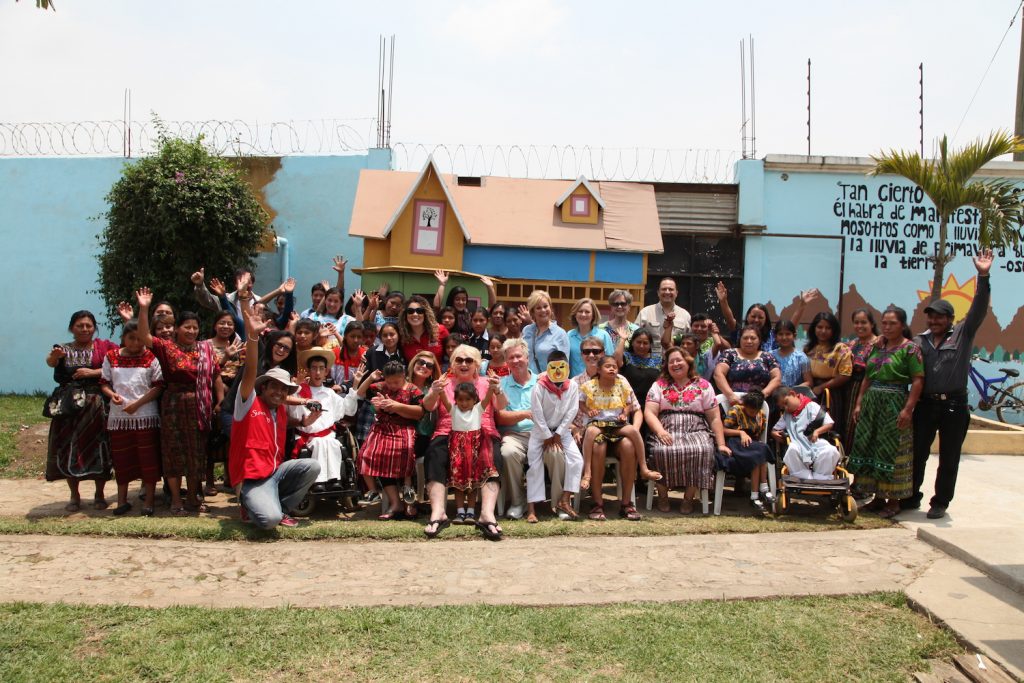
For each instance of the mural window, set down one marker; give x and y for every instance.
(428, 227)
(697, 263)
(579, 205)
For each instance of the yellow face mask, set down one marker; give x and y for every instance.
(558, 371)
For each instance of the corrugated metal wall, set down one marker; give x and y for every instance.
(703, 212)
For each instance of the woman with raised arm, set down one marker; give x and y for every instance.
(193, 396)
(77, 447)
(756, 316)
(458, 299)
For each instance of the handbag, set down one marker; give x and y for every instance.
(67, 399)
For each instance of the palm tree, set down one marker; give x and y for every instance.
(947, 182)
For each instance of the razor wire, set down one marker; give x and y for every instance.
(561, 162)
(231, 138)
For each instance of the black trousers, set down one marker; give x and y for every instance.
(950, 419)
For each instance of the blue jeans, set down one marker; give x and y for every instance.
(268, 499)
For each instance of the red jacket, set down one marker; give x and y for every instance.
(257, 442)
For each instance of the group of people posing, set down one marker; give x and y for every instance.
(490, 398)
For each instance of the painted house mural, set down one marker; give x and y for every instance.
(573, 238)
(864, 241)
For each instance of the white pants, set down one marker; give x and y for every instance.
(514, 447)
(326, 450)
(535, 475)
(825, 457)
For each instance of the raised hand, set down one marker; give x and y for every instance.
(486, 281)
(243, 281)
(325, 284)
(339, 264)
(217, 287)
(234, 348)
(493, 379)
(807, 296)
(244, 295)
(124, 309)
(442, 277)
(438, 385)
(359, 296)
(144, 297)
(383, 290)
(721, 291)
(983, 262)
(199, 276)
(288, 286)
(253, 326)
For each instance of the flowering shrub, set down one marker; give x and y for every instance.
(171, 213)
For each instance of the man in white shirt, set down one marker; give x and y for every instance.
(316, 427)
(653, 317)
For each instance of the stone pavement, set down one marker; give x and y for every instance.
(547, 571)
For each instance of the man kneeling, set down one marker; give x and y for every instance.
(269, 484)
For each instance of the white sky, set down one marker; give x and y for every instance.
(540, 72)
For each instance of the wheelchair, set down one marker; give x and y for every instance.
(834, 493)
(347, 486)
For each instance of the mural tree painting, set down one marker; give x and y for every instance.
(429, 214)
(171, 213)
(948, 183)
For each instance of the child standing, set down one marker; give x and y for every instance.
(389, 450)
(795, 367)
(744, 425)
(472, 462)
(607, 399)
(478, 337)
(808, 456)
(132, 379)
(553, 403)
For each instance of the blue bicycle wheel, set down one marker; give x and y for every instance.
(1010, 404)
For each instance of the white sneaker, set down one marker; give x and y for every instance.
(516, 512)
(564, 516)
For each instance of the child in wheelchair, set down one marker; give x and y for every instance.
(808, 456)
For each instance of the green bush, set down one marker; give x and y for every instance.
(171, 213)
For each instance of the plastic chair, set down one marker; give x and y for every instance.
(720, 475)
(609, 461)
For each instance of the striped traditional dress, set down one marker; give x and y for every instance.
(690, 459)
(134, 437)
(388, 451)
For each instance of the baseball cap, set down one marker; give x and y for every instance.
(940, 307)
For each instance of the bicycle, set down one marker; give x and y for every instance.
(1008, 402)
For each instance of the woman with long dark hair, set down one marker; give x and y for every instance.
(831, 364)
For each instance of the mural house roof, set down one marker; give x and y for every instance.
(514, 212)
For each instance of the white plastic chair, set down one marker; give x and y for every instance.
(720, 475)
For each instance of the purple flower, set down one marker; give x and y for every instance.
(179, 177)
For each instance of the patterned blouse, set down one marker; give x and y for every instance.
(737, 418)
(746, 374)
(610, 402)
(861, 351)
(827, 363)
(409, 395)
(695, 397)
(897, 365)
(180, 366)
(792, 367)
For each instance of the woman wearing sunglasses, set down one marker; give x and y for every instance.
(418, 329)
(618, 326)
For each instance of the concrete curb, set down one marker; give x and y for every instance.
(995, 572)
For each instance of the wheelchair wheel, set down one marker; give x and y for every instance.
(781, 503)
(305, 508)
(849, 507)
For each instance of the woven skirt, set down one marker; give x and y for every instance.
(690, 460)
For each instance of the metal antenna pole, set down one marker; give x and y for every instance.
(391, 83)
(1018, 124)
(753, 111)
(921, 111)
(743, 101)
(808, 107)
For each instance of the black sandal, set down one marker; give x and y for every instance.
(485, 529)
(441, 524)
(123, 509)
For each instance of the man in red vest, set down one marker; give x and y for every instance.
(270, 485)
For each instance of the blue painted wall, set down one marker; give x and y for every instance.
(614, 266)
(808, 216)
(529, 264)
(50, 243)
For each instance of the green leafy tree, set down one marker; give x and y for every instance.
(171, 213)
(948, 183)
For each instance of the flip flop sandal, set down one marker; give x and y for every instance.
(629, 512)
(567, 509)
(597, 513)
(531, 518)
(441, 525)
(490, 530)
(584, 483)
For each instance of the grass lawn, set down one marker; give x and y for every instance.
(17, 411)
(230, 529)
(876, 637)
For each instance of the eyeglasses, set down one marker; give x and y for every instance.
(425, 363)
(591, 352)
(283, 347)
(414, 311)
(620, 304)
(462, 361)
